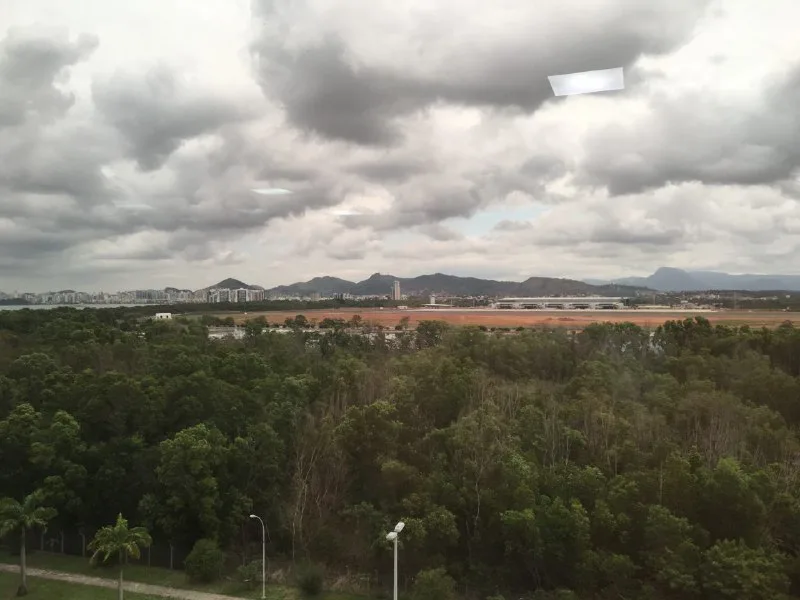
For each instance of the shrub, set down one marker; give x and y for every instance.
(205, 561)
(433, 584)
(309, 579)
(249, 575)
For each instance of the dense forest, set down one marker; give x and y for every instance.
(611, 463)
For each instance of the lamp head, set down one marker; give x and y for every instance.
(391, 536)
(253, 517)
(399, 527)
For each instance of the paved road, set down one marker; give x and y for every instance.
(130, 586)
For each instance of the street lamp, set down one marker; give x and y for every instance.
(263, 557)
(392, 537)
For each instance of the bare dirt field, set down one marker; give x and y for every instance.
(513, 318)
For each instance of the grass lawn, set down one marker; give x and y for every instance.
(154, 576)
(42, 589)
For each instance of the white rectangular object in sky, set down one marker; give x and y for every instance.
(587, 82)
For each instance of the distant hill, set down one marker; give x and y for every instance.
(667, 279)
(233, 284)
(440, 283)
(320, 285)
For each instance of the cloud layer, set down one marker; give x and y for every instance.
(125, 165)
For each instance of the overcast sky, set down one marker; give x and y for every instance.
(131, 134)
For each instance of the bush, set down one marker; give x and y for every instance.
(205, 561)
(310, 579)
(249, 575)
(433, 584)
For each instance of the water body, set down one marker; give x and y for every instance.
(52, 306)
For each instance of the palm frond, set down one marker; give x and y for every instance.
(27, 514)
(119, 539)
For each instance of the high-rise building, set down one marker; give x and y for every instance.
(396, 291)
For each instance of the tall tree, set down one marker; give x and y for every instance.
(20, 517)
(121, 541)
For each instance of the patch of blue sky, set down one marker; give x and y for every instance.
(484, 221)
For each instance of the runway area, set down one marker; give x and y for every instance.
(528, 318)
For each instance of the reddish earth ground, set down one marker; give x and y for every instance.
(529, 318)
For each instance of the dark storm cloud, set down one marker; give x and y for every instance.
(183, 243)
(156, 112)
(217, 212)
(326, 89)
(32, 160)
(320, 92)
(702, 139)
(63, 162)
(390, 170)
(24, 240)
(30, 61)
(431, 202)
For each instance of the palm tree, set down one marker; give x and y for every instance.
(119, 540)
(21, 517)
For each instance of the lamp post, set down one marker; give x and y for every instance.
(263, 557)
(392, 536)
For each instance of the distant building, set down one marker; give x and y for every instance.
(433, 304)
(219, 333)
(163, 316)
(396, 291)
(547, 302)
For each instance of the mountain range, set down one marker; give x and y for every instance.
(668, 279)
(439, 283)
(665, 279)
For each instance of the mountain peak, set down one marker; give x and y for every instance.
(669, 271)
(233, 284)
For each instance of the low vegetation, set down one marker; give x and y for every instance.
(43, 589)
(607, 464)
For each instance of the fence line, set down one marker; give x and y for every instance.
(56, 541)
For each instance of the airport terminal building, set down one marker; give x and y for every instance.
(577, 303)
